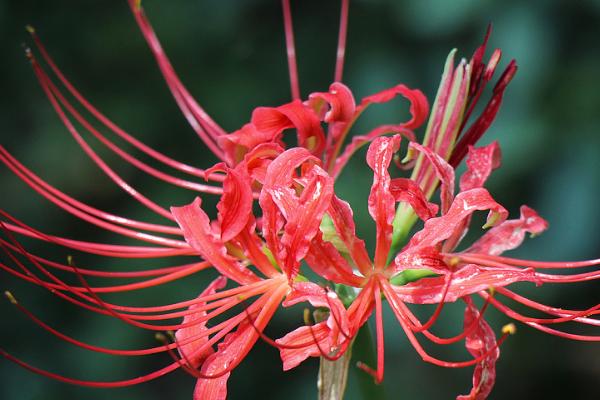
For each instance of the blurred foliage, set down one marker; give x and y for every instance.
(231, 56)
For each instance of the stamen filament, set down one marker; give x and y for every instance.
(291, 49)
(112, 126)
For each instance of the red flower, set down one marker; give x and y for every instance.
(430, 251)
(301, 219)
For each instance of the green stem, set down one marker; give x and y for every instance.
(333, 376)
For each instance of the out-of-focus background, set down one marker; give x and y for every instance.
(231, 56)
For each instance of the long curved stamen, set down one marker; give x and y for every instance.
(566, 335)
(97, 384)
(273, 343)
(32, 180)
(141, 273)
(513, 314)
(186, 363)
(341, 47)
(480, 258)
(264, 315)
(79, 343)
(59, 284)
(439, 307)
(291, 49)
(92, 154)
(417, 346)
(202, 124)
(109, 309)
(219, 306)
(240, 292)
(109, 250)
(101, 223)
(111, 125)
(124, 155)
(105, 307)
(334, 315)
(587, 276)
(127, 319)
(377, 374)
(315, 341)
(181, 94)
(576, 315)
(246, 289)
(168, 277)
(452, 339)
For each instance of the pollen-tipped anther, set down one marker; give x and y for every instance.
(306, 316)
(453, 262)
(509, 329)
(161, 337)
(10, 297)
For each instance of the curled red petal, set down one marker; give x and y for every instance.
(303, 214)
(478, 342)
(195, 330)
(327, 262)
(419, 107)
(406, 190)
(382, 205)
(234, 348)
(318, 296)
(230, 350)
(360, 140)
(509, 234)
(338, 109)
(292, 115)
(258, 159)
(235, 145)
(304, 220)
(281, 170)
(279, 181)
(343, 221)
(314, 339)
(325, 336)
(467, 280)
(426, 257)
(197, 232)
(465, 203)
(340, 103)
(443, 171)
(235, 205)
(481, 161)
(252, 245)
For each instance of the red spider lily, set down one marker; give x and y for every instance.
(294, 188)
(233, 243)
(430, 251)
(194, 340)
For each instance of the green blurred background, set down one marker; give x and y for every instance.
(231, 56)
